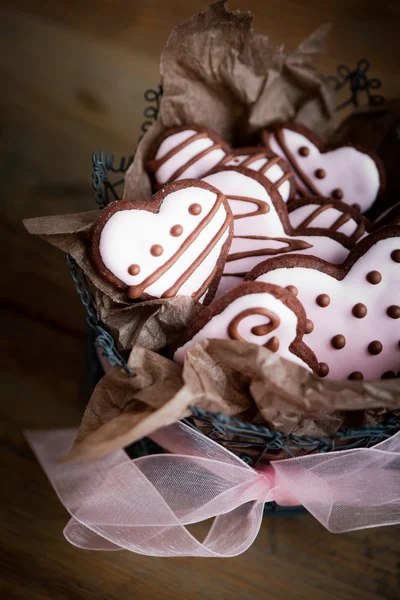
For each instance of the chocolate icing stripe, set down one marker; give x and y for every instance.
(271, 163)
(280, 138)
(315, 213)
(156, 163)
(342, 220)
(263, 207)
(173, 290)
(284, 178)
(233, 327)
(292, 246)
(207, 282)
(135, 291)
(193, 160)
(252, 158)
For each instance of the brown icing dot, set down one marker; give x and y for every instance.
(393, 312)
(356, 375)
(176, 230)
(374, 277)
(273, 344)
(337, 194)
(293, 289)
(356, 206)
(359, 310)
(323, 369)
(388, 375)
(156, 250)
(195, 209)
(304, 151)
(375, 347)
(320, 173)
(134, 270)
(323, 300)
(395, 256)
(338, 341)
(309, 326)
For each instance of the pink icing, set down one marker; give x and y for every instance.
(217, 327)
(129, 235)
(269, 224)
(337, 318)
(351, 170)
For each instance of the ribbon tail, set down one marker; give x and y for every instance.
(348, 489)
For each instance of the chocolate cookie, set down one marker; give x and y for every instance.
(353, 309)
(330, 215)
(262, 228)
(174, 244)
(262, 314)
(193, 151)
(351, 174)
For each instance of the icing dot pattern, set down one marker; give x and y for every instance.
(375, 347)
(156, 250)
(337, 194)
(356, 376)
(359, 310)
(338, 341)
(195, 209)
(356, 332)
(134, 270)
(323, 300)
(374, 277)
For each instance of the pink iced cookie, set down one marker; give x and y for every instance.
(174, 244)
(194, 151)
(254, 312)
(330, 215)
(353, 310)
(261, 226)
(346, 173)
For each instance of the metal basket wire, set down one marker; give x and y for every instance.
(259, 440)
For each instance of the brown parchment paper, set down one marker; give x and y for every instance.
(152, 324)
(217, 72)
(232, 377)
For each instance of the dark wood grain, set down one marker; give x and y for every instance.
(73, 75)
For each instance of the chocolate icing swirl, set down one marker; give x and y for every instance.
(258, 330)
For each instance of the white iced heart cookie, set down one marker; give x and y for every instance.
(261, 226)
(254, 312)
(194, 151)
(174, 244)
(328, 214)
(346, 173)
(353, 310)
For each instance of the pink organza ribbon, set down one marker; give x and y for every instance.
(144, 505)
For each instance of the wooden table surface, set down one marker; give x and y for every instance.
(73, 75)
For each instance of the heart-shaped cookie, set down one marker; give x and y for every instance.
(174, 244)
(193, 151)
(330, 215)
(353, 310)
(262, 228)
(346, 173)
(254, 312)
